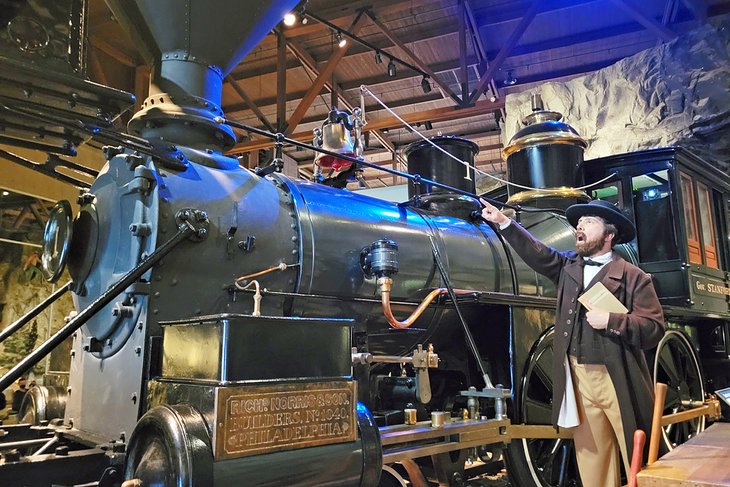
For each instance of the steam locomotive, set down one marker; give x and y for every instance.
(237, 327)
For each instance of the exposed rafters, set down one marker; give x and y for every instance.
(660, 30)
(324, 75)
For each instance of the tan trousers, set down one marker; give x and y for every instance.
(600, 434)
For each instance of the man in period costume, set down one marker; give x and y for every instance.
(602, 386)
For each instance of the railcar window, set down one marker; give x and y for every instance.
(610, 192)
(708, 230)
(654, 226)
(690, 220)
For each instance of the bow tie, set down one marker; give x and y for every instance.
(592, 262)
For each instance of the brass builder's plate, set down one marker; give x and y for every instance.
(256, 419)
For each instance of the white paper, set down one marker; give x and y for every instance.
(568, 417)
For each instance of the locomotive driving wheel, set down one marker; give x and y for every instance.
(540, 462)
(676, 365)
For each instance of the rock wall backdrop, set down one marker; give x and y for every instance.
(22, 287)
(675, 94)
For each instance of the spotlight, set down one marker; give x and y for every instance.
(426, 85)
(341, 41)
(391, 68)
(378, 58)
(428, 125)
(6, 193)
(290, 19)
(509, 80)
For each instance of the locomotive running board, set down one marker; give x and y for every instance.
(404, 442)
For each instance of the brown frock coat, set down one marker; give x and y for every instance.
(626, 336)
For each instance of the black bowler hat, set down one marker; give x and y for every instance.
(607, 211)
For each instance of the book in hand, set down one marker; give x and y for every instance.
(600, 298)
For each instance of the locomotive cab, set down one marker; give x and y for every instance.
(677, 203)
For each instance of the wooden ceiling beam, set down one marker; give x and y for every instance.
(510, 43)
(433, 115)
(493, 163)
(480, 48)
(341, 14)
(309, 63)
(96, 67)
(37, 216)
(414, 58)
(324, 75)
(698, 8)
(651, 24)
(238, 108)
(252, 105)
(98, 41)
(281, 123)
(520, 50)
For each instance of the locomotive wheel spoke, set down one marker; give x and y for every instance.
(539, 412)
(676, 364)
(669, 365)
(673, 401)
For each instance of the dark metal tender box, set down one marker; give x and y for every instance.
(236, 347)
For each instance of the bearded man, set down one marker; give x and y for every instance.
(601, 383)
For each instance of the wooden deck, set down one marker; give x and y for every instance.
(704, 461)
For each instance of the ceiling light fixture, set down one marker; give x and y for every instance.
(391, 69)
(290, 19)
(341, 41)
(378, 58)
(510, 80)
(426, 85)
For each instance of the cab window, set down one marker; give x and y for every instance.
(690, 219)
(699, 219)
(653, 211)
(708, 230)
(609, 192)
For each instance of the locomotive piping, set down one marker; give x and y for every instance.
(384, 284)
(282, 266)
(447, 282)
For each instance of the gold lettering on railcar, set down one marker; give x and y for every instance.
(251, 420)
(706, 287)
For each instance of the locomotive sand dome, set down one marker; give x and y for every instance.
(546, 154)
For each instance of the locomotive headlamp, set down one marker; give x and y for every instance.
(380, 259)
(57, 241)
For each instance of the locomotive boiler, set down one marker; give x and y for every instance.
(239, 327)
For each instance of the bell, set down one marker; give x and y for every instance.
(335, 138)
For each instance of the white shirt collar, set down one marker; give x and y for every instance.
(603, 258)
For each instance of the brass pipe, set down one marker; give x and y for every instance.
(385, 284)
(281, 267)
